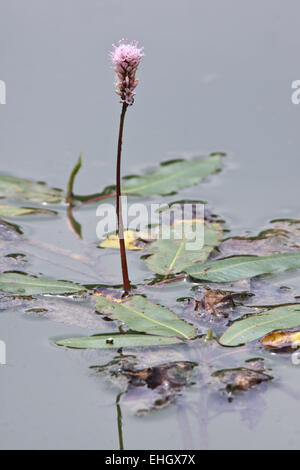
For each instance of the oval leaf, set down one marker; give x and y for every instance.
(25, 190)
(172, 176)
(175, 254)
(139, 314)
(256, 326)
(116, 341)
(24, 284)
(243, 267)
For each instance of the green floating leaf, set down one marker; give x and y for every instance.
(25, 190)
(116, 341)
(243, 267)
(14, 211)
(140, 314)
(256, 326)
(172, 176)
(24, 284)
(168, 179)
(173, 255)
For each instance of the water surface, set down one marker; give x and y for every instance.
(216, 77)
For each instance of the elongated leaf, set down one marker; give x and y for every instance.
(243, 267)
(189, 241)
(24, 284)
(140, 314)
(172, 176)
(25, 190)
(256, 326)
(116, 341)
(168, 179)
(14, 211)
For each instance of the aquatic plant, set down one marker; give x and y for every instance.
(126, 58)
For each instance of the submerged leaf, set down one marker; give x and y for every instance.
(280, 236)
(134, 240)
(214, 302)
(256, 326)
(25, 190)
(148, 388)
(14, 211)
(116, 341)
(242, 378)
(189, 241)
(172, 176)
(139, 314)
(281, 340)
(24, 284)
(243, 267)
(156, 387)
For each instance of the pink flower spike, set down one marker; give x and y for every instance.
(126, 58)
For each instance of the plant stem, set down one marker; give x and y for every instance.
(69, 194)
(126, 281)
(119, 417)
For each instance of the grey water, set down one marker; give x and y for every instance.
(216, 76)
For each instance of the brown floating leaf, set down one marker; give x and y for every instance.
(281, 340)
(242, 378)
(214, 302)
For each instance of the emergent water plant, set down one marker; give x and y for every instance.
(228, 288)
(126, 59)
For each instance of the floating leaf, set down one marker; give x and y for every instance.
(168, 179)
(172, 176)
(189, 241)
(215, 302)
(134, 240)
(256, 326)
(116, 341)
(140, 314)
(243, 267)
(25, 190)
(14, 211)
(242, 378)
(281, 340)
(24, 284)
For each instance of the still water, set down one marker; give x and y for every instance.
(216, 77)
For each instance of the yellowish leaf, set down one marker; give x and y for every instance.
(133, 240)
(281, 339)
